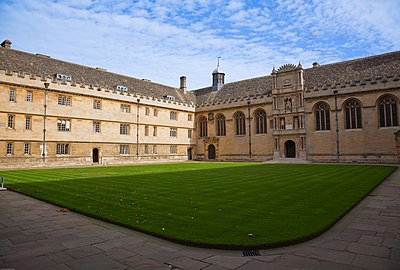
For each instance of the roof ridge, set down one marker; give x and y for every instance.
(356, 60)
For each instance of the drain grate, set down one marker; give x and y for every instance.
(248, 253)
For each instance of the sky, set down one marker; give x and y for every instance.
(161, 40)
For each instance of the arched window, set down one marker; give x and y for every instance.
(322, 117)
(353, 114)
(388, 111)
(240, 123)
(202, 126)
(221, 127)
(261, 121)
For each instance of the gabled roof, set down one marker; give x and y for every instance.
(18, 61)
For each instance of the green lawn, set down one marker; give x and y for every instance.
(209, 204)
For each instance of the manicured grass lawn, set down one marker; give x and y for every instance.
(216, 204)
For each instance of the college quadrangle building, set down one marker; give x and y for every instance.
(59, 113)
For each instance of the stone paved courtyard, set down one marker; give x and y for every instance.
(37, 235)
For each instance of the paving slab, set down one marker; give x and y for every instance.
(230, 262)
(37, 235)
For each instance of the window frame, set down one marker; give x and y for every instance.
(125, 108)
(260, 119)
(10, 149)
(96, 127)
(322, 116)
(202, 125)
(173, 115)
(64, 100)
(12, 95)
(28, 124)
(97, 104)
(63, 149)
(124, 149)
(27, 149)
(173, 132)
(240, 123)
(29, 96)
(11, 121)
(124, 129)
(353, 114)
(220, 125)
(388, 111)
(173, 149)
(66, 127)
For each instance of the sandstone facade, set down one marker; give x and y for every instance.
(345, 112)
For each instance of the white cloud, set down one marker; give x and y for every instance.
(164, 39)
(234, 5)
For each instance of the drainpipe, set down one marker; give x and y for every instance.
(137, 130)
(46, 86)
(337, 126)
(248, 110)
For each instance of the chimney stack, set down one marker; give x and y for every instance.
(6, 44)
(315, 64)
(183, 84)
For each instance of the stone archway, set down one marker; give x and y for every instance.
(290, 149)
(211, 151)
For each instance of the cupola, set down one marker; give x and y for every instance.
(218, 78)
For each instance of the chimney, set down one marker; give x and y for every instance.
(183, 84)
(315, 64)
(6, 44)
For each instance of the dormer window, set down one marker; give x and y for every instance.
(63, 77)
(121, 88)
(172, 98)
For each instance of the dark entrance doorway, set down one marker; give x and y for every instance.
(211, 151)
(290, 149)
(95, 154)
(189, 153)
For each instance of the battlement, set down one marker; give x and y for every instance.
(106, 92)
(385, 82)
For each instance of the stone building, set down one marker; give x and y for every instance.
(59, 113)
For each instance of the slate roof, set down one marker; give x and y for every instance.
(362, 69)
(369, 68)
(18, 61)
(245, 88)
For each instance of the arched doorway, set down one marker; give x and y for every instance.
(290, 149)
(95, 155)
(190, 154)
(211, 151)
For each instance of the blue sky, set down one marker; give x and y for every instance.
(162, 40)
